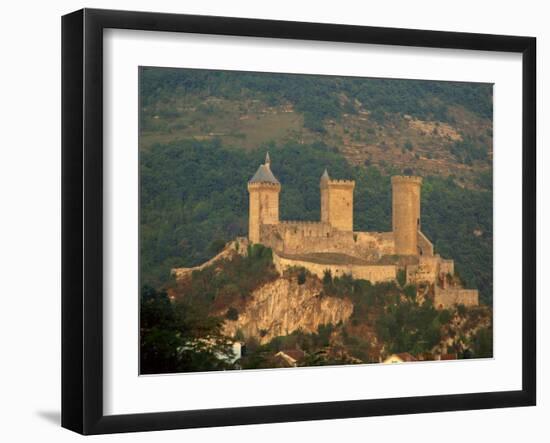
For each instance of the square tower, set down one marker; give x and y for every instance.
(263, 189)
(337, 202)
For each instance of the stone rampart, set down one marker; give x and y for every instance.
(425, 246)
(238, 246)
(373, 273)
(445, 298)
(430, 269)
(295, 238)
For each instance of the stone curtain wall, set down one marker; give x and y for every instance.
(445, 298)
(297, 238)
(428, 269)
(425, 246)
(373, 273)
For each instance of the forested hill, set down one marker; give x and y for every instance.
(431, 127)
(194, 198)
(204, 133)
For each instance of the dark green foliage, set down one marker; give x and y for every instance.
(302, 276)
(327, 277)
(240, 276)
(409, 327)
(403, 325)
(317, 97)
(483, 343)
(364, 295)
(485, 179)
(461, 310)
(216, 246)
(445, 316)
(401, 277)
(410, 292)
(468, 150)
(172, 336)
(378, 116)
(450, 215)
(232, 314)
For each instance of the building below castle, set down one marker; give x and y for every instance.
(331, 244)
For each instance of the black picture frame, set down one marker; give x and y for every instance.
(82, 218)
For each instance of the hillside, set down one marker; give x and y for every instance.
(203, 134)
(320, 322)
(194, 200)
(425, 127)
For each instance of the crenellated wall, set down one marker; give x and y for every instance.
(318, 237)
(331, 244)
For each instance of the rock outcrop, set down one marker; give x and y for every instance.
(284, 306)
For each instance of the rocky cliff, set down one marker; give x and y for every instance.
(284, 306)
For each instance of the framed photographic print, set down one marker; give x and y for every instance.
(270, 221)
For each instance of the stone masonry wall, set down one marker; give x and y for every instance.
(296, 238)
(445, 298)
(373, 273)
(428, 269)
(263, 208)
(337, 204)
(425, 246)
(406, 213)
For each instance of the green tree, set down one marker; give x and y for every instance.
(178, 337)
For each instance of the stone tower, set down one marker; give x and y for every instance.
(337, 202)
(263, 189)
(406, 213)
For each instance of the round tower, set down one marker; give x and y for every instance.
(406, 213)
(263, 189)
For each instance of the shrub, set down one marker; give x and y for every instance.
(410, 291)
(401, 277)
(327, 277)
(301, 276)
(232, 314)
(461, 309)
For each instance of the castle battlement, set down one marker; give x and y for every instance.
(335, 181)
(300, 222)
(332, 243)
(406, 179)
(336, 224)
(258, 185)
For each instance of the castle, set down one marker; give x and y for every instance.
(331, 244)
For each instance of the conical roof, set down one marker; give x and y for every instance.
(264, 175)
(325, 176)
